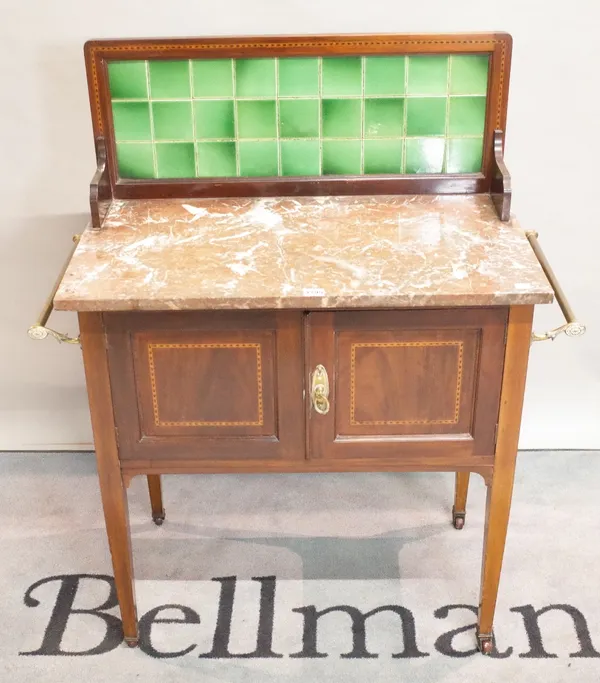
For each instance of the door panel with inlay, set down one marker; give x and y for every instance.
(208, 385)
(406, 382)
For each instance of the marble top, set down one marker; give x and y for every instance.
(306, 252)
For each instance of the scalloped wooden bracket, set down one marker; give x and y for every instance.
(100, 189)
(501, 188)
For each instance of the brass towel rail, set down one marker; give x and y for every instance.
(39, 330)
(572, 327)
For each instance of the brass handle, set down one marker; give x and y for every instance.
(320, 390)
(572, 328)
(39, 330)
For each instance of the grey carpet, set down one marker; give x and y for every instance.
(360, 540)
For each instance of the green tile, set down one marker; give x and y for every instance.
(258, 158)
(131, 120)
(169, 78)
(298, 76)
(299, 118)
(384, 76)
(135, 160)
(212, 77)
(255, 78)
(127, 80)
(172, 120)
(425, 155)
(469, 74)
(383, 156)
(426, 116)
(464, 155)
(384, 118)
(342, 76)
(467, 115)
(342, 118)
(341, 157)
(300, 157)
(428, 75)
(214, 119)
(256, 119)
(216, 159)
(175, 160)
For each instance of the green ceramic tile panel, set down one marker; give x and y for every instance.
(342, 76)
(298, 77)
(464, 155)
(132, 121)
(169, 79)
(257, 119)
(216, 159)
(128, 80)
(342, 118)
(172, 120)
(384, 118)
(299, 116)
(175, 160)
(258, 158)
(300, 157)
(425, 155)
(385, 76)
(212, 77)
(341, 157)
(469, 74)
(135, 159)
(467, 116)
(383, 156)
(255, 78)
(426, 116)
(427, 75)
(214, 119)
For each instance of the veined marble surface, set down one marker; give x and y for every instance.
(302, 252)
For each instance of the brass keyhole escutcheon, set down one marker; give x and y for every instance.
(320, 390)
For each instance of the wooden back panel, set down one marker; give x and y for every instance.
(299, 115)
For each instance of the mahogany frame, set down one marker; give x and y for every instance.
(99, 52)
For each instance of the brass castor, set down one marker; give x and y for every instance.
(159, 519)
(485, 644)
(458, 519)
(132, 642)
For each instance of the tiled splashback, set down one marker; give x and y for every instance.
(305, 116)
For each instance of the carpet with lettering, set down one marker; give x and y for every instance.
(347, 577)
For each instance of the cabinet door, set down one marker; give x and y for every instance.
(212, 385)
(405, 384)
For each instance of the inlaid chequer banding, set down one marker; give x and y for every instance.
(160, 423)
(459, 372)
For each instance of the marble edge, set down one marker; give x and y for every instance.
(312, 303)
(65, 301)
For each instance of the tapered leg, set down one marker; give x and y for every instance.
(500, 489)
(112, 488)
(459, 509)
(155, 489)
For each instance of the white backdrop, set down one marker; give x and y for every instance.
(47, 160)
